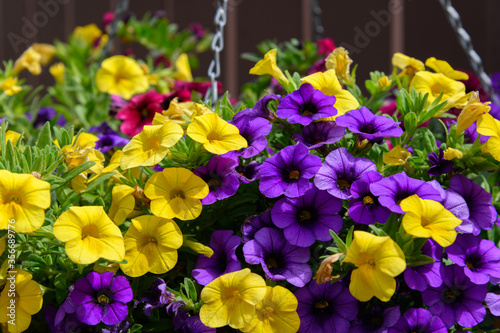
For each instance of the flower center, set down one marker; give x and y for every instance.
(271, 263)
(371, 262)
(154, 143)
(304, 215)
(119, 76)
(103, 299)
(230, 293)
(90, 231)
(152, 240)
(13, 198)
(469, 264)
(321, 304)
(212, 136)
(213, 182)
(450, 295)
(368, 200)
(294, 174)
(306, 113)
(437, 88)
(177, 194)
(377, 321)
(342, 183)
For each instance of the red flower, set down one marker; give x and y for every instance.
(140, 111)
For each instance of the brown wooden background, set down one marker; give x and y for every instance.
(421, 30)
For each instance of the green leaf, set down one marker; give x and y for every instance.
(190, 290)
(410, 122)
(340, 243)
(45, 136)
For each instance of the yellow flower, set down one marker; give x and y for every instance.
(85, 140)
(329, 84)
(87, 34)
(489, 126)
(231, 299)
(122, 203)
(151, 145)
(57, 71)
(176, 192)
(122, 76)
(217, 135)
(17, 307)
(89, 234)
(183, 71)
(74, 158)
(384, 82)
(29, 60)
(2, 244)
(397, 156)
(268, 66)
(429, 219)
(409, 66)
(277, 312)
(471, 112)
(441, 66)
(114, 163)
(436, 83)
(340, 61)
(46, 51)
(151, 244)
(378, 260)
(23, 198)
(12, 136)
(451, 153)
(10, 87)
(198, 248)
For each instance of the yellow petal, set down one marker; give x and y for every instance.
(268, 66)
(122, 203)
(396, 156)
(441, 66)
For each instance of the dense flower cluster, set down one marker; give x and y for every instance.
(309, 209)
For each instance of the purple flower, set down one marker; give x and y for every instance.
(482, 213)
(493, 302)
(455, 203)
(68, 323)
(418, 320)
(306, 105)
(368, 125)
(393, 189)
(220, 176)
(254, 130)
(104, 128)
(279, 260)
(364, 206)
(457, 300)
(122, 327)
(248, 173)
(254, 223)
(308, 218)
(420, 277)
(158, 297)
(46, 113)
(190, 324)
(376, 320)
(260, 109)
(288, 172)
(340, 170)
(110, 141)
(480, 258)
(438, 164)
(101, 298)
(223, 261)
(319, 134)
(326, 307)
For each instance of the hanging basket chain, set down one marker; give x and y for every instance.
(119, 12)
(466, 43)
(316, 13)
(217, 46)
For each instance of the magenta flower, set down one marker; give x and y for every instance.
(288, 172)
(223, 261)
(340, 170)
(308, 218)
(279, 260)
(139, 111)
(101, 298)
(306, 105)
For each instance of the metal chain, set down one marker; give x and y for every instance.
(119, 12)
(466, 43)
(316, 12)
(217, 46)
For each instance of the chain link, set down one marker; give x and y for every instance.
(217, 46)
(466, 43)
(316, 13)
(119, 12)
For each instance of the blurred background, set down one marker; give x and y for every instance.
(371, 30)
